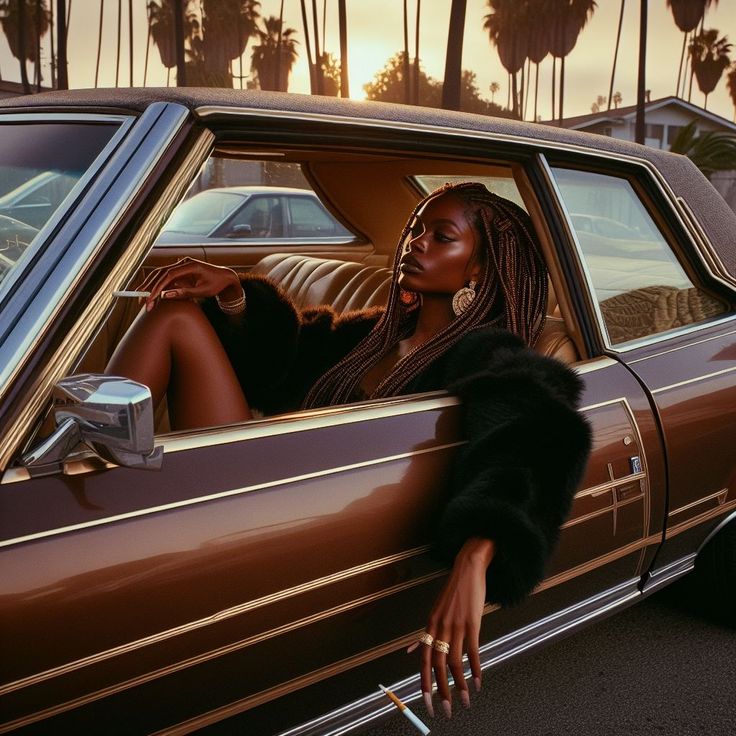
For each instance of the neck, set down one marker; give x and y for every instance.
(434, 315)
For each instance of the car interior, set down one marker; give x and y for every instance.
(371, 195)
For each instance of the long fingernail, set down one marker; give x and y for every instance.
(168, 294)
(476, 682)
(412, 647)
(447, 708)
(428, 703)
(465, 698)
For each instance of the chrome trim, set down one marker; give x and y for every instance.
(685, 347)
(215, 653)
(77, 337)
(657, 579)
(360, 712)
(610, 485)
(699, 519)
(304, 421)
(605, 510)
(594, 364)
(225, 494)
(213, 618)
(722, 492)
(693, 380)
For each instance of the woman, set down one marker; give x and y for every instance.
(466, 302)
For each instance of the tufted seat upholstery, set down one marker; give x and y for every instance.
(313, 281)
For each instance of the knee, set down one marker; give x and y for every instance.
(176, 313)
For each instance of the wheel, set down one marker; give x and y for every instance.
(715, 569)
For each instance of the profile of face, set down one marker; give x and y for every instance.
(440, 257)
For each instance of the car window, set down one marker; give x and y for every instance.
(39, 166)
(504, 186)
(309, 219)
(247, 199)
(638, 282)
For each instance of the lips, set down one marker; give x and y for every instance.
(409, 264)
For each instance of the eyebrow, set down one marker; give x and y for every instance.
(442, 220)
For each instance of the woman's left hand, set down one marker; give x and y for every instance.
(455, 618)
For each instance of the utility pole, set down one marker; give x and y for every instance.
(62, 80)
(641, 80)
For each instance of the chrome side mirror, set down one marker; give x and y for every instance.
(111, 415)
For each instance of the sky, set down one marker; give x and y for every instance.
(375, 33)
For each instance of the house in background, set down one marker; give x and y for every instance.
(665, 118)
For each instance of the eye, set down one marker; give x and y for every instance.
(442, 237)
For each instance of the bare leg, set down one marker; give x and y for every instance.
(175, 351)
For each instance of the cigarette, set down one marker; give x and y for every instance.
(421, 727)
(132, 294)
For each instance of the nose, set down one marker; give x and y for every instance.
(418, 242)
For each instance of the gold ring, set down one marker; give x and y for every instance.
(441, 646)
(426, 638)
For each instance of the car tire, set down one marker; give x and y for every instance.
(715, 569)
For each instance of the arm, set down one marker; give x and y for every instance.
(512, 487)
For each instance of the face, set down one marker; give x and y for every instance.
(439, 257)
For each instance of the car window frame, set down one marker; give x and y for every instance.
(661, 205)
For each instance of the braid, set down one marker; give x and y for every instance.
(512, 293)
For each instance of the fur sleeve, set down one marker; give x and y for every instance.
(527, 449)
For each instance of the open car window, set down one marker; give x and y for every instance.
(640, 286)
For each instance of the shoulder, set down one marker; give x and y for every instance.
(497, 360)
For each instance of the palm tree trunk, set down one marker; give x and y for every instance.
(130, 38)
(690, 88)
(615, 53)
(679, 69)
(277, 71)
(641, 78)
(554, 84)
(53, 50)
(99, 44)
(520, 106)
(181, 70)
(38, 45)
(117, 58)
(342, 19)
(307, 42)
(454, 56)
(536, 90)
(562, 85)
(317, 51)
(508, 92)
(22, 47)
(705, 103)
(148, 46)
(407, 71)
(528, 86)
(62, 74)
(416, 54)
(515, 94)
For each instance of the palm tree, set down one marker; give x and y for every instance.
(407, 71)
(495, 86)
(416, 53)
(310, 60)
(267, 55)
(538, 25)
(709, 59)
(99, 43)
(343, 26)
(712, 151)
(687, 15)
(568, 19)
(731, 84)
(507, 26)
(615, 53)
(617, 99)
(454, 56)
(24, 22)
(640, 126)
(161, 23)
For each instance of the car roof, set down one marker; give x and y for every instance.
(711, 211)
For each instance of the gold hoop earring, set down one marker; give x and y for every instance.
(463, 298)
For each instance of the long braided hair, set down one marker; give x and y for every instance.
(511, 293)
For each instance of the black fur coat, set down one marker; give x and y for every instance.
(527, 446)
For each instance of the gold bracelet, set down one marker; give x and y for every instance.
(234, 306)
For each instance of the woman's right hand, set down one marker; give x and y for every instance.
(191, 279)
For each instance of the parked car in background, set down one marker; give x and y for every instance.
(247, 212)
(268, 575)
(33, 201)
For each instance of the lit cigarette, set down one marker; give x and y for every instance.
(405, 710)
(132, 294)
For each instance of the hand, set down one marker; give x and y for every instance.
(190, 279)
(455, 618)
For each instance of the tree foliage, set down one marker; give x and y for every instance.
(712, 151)
(274, 57)
(388, 86)
(709, 58)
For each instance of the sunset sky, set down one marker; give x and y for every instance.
(375, 33)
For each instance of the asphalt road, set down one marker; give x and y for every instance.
(658, 667)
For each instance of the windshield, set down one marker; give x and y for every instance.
(203, 212)
(40, 163)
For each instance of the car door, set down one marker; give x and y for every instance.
(672, 323)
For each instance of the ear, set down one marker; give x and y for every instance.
(474, 271)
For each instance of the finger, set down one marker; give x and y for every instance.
(426, 675)
(455, 663)
(165, 280)
(439, 665)
(474, 657)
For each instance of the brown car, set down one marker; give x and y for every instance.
(273, 572)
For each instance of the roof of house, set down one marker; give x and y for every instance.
(619, 115)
